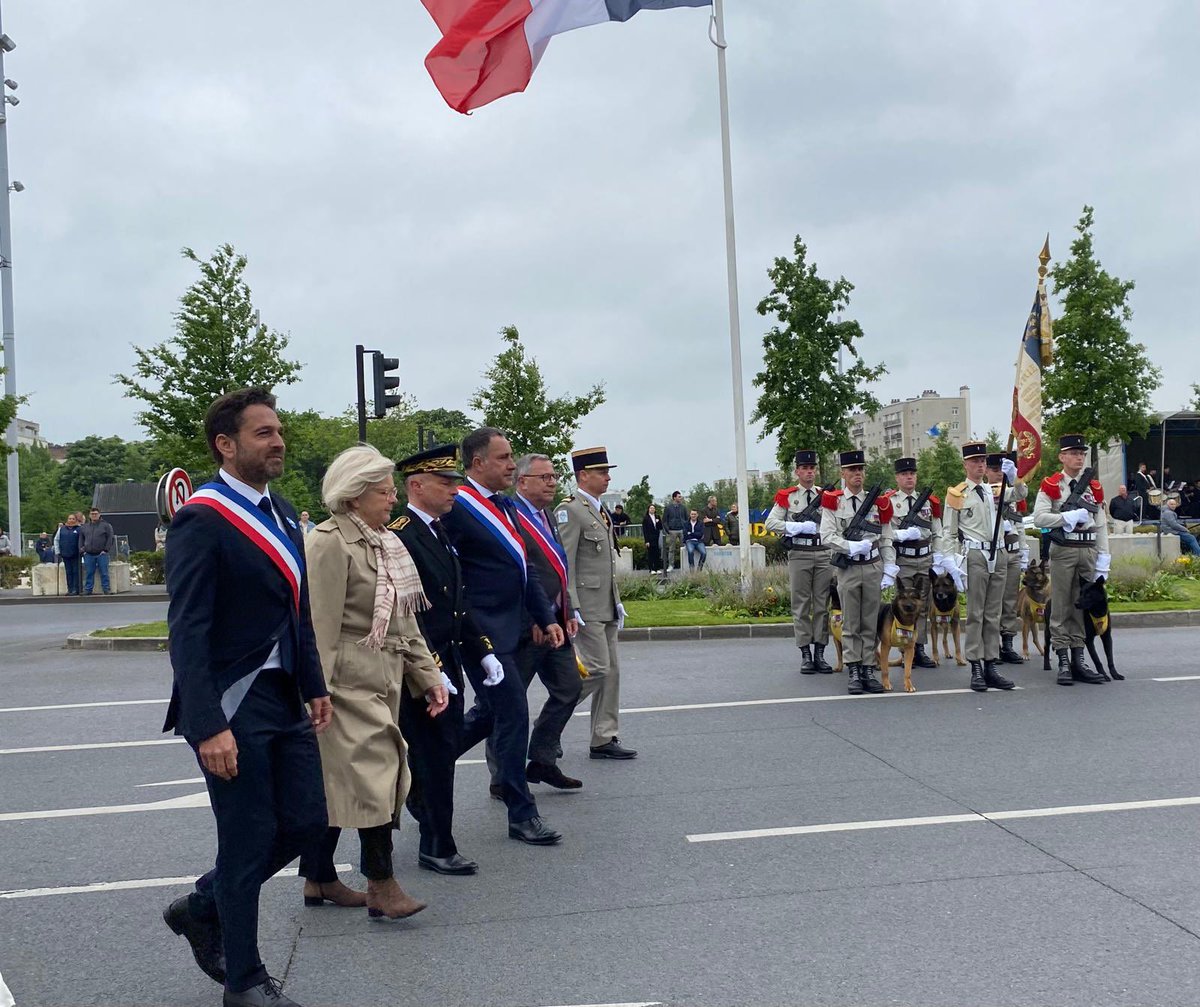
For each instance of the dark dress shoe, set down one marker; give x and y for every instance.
(535, 832)
(268, 993)
(539, 772)
(612, 750)
(453, 864)
(496, 791)
(994, 679)
(203, 936)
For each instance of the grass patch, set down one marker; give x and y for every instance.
(683, 612)
(139, 629)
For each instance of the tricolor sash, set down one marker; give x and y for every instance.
(494, 520)
(257, 527)
(554, 552)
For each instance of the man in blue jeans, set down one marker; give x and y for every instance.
(693, 540)
(96, 540)
(1171, 525)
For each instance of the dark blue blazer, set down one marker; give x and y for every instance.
(229, 606)
(498, 599)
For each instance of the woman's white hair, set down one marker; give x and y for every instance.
(350, 473)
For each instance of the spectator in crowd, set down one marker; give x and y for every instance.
(1189, 500)
(733, 527)
(160, 538)
(5, 545)
(1171, 525)
(652, 532)
(306, 523)
(96, 541)
(68, 548)
(693, 540)
(712, 522)
(1123, 510)
(675, 518)
(45, 547)
(620, 520)
(1144, 484)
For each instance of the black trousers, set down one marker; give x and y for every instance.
(71, 569)
(433, 747)
(501, 712)
(559, 673)
(375, 855)
(267, 815)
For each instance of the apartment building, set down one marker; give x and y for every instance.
(909, 425)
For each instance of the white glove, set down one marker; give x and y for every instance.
(1007, 526)
(939, 563)
(579, 619)
(1025, 558)
(889, 575)
(959, 577)
(493, 670)
(907, 534)
(449, 686)
(620, 616)
(862, 548)
(1009, 468)
(1078, 518)
(1103, 563)
(800, 527)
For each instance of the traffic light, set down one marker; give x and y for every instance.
(384, 382)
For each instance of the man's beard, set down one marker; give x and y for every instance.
(258, 470)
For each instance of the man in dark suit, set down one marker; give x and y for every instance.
(431, 482)
(245, 662)
(501, 590)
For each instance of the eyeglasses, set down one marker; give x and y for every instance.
(547, 477)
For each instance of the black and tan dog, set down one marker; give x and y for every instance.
(1093, 601)
(897, 627)
(1032, 602)
(944, 620)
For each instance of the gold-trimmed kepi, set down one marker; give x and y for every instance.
(974, 449)
(1072, 442)
(441, 460)
(590, 458)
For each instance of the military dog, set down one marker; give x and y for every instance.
(1032, 603)
(944, 620)
(835, 622)
(897, 627)
(1093, 601)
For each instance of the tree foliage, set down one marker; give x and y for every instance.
(638, 499)
(95, 460)
(219, 345)
(803, 398)
(515, 400)
(45, 501)
(940, 465)
(881, 468)
(1101, 380)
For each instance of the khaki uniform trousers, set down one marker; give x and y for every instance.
(858, 587)
(810, 573)
(1067, 565)
(985, 604)
(909, 567)
(596, 644)
(1010, 618)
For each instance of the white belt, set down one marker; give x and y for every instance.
(913, 551)
(970, 543)
(870, 557)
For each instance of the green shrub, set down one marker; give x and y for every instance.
(776, 551)
(637, 546)
(1143, 578)
(769, 594)
(147, 567)
(13, 568)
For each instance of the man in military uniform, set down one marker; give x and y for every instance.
(970, 527)
(1014, 556)
(860, 579)
(431, 482)
(796, 515)
(919, 545)
(1078, 553)
(585, 527)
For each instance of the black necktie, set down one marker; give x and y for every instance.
(264, 505)
(854, 505)
(1074, 483)
(979, 490)
(439, 533)
(807, 497)
(909, 498)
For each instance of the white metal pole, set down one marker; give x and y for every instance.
(735, 329)
(6, 295)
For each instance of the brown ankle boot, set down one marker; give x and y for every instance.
(333, 892)
(388, 899)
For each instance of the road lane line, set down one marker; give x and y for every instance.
(788, 700)
(1178, 678)
(199, 800)
(84, 706)
(200, 779)
(123, 886)
(969, 817)
(89, 747)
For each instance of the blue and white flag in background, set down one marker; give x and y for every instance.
(935, 431)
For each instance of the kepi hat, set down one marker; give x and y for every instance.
(590, 458)
(806, 458)
(1072, 442)
(851, 459)
(974, 449)
(441, 460)
(906, 465)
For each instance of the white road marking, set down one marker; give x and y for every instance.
(1178, 678)
(790, 699)
(83, 706)
(640, 1003)
(200, 779)
(199, 800)
(899, 823)
(94, 745)
(6, 998)
(122, 886)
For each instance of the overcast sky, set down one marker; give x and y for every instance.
(922, 150)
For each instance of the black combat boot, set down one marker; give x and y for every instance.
(978, 682)
(854, 686)
(823, 667)
(994, 679)
(921, 659)
(1081, 672)
(806, 662)
(869, 681)
(1064, 668)
(1008, 653)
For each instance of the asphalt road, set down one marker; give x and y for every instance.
(933, 903)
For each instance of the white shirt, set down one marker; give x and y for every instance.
(590, 499)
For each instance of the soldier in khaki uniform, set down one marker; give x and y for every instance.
(1078, 551)
(1015, 555)
(970, 525)
(860, 579)
(809, 571)
(918, 546)
(585, 528)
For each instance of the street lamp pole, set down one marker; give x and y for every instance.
(6, 312)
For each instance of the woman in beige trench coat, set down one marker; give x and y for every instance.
(365, 592)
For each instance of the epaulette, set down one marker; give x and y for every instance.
(570, 499)
(781, 498)
(1022, 507)
(955, 494)
(883, 506)
(1052, 486)
(1097, 491)
(830, 498)
(888, 494)
(935, 505)
(400, 522)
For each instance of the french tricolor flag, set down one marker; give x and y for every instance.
(489, 48)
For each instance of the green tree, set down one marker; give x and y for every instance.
(44, 500)
(515, 400)
(881, 468)
(8, 412)
(219, 345)
(1101, 380)
(638, 499)
(994, 444)
(940, 466)
(803, 398)
(95, 460)
(1195, 404)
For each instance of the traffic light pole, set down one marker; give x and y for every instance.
(362, 394)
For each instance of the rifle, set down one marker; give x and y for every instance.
(859, 525)
(991, 561)
(913, 518)
(1074, 501)
(810, 513)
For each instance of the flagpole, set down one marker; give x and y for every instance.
(1043, 264)
(717, 36)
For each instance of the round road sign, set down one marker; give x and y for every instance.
(173, 490)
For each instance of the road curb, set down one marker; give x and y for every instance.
(96, 599)
(85, 641)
